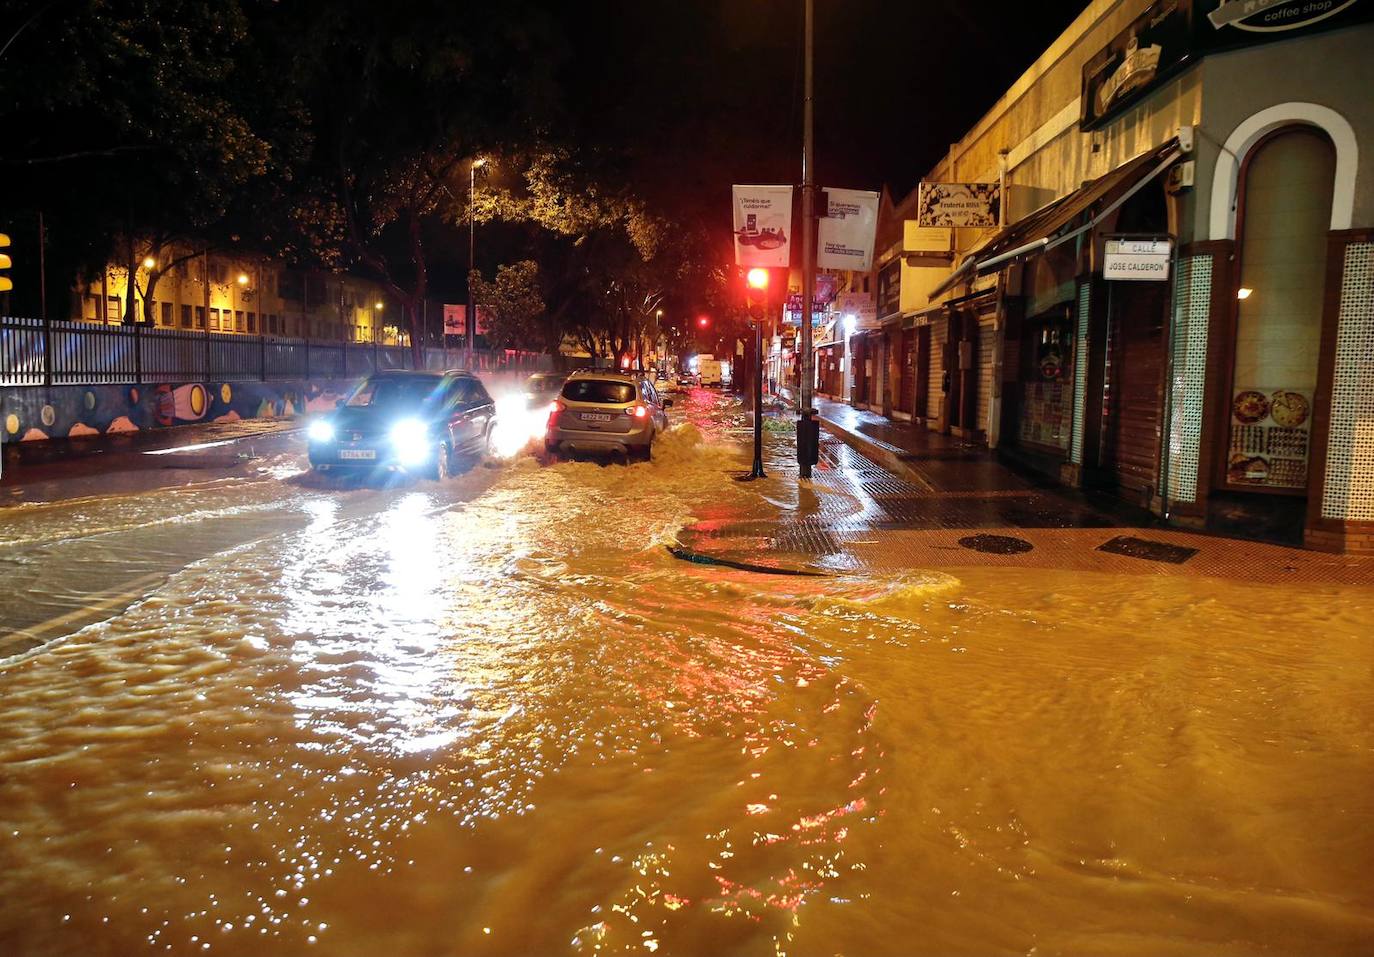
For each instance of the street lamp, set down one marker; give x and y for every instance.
(476, 164)
(149, 262)
(243, 279)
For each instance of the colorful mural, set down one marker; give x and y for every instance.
(35, 414)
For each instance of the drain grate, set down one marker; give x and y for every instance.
(996, 544)
(1150, 551)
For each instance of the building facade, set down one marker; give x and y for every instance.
(245, 295)
(1177, 300)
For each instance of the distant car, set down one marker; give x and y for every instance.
(420, 422)
(606, 411)
(542, 388)
(690, 379)
(666, 382)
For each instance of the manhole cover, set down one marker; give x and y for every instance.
(996, 544)
(1148, 550)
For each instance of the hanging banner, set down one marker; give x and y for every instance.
(846, 232)
(763, 225)
(453, 320)
(456, 322)
(958, 204)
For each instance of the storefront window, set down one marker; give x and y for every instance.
(1283, 221)
(1047, 382)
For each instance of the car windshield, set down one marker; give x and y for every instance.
(599, 390)
(401, 391)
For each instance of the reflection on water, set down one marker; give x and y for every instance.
(503, 721)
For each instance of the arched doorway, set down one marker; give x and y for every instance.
(1284, 203)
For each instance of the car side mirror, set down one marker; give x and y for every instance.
(667, 403)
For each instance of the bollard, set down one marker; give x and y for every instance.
(808, 441)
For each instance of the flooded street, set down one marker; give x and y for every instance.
(496, 716)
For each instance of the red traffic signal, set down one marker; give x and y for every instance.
(703, 321)
(757, 278)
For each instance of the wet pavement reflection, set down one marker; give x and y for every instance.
(496, 716)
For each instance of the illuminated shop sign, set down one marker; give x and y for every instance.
(1173, 34)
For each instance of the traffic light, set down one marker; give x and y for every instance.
(703, 321)
(6, 284)
(756, 292)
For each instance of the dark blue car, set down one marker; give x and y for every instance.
(421, 422)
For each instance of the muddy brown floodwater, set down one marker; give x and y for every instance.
(494, 716)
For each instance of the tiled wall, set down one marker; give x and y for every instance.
(1348, 493)
(1192, 303)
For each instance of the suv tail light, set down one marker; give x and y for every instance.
(641, 411)
(555, 407)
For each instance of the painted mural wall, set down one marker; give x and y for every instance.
(36, 414)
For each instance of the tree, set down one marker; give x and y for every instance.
(120, 96)
(402, 100)
(511, 305)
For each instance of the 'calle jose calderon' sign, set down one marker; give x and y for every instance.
(1136, 259)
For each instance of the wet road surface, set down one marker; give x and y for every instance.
(495, 716)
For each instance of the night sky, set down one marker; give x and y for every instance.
(707, 93)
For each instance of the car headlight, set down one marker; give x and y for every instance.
(320, 431)
(410, 439)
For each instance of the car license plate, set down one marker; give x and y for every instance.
(595, 416)
(357, 454)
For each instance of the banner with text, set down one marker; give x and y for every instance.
(846, 232)
(958, 204)
(455, 320)
(763, 225)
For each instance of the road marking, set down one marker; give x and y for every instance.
(43, 632)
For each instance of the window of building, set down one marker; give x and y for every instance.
(214, 318)
(1286, 186)
(166, 313)
(252, 322)
(114, 309)
(89, 306)
(200, 317)
(238, 321)
(185, 317)
(218, 272)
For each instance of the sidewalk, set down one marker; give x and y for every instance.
(137, 461)
(890, 497)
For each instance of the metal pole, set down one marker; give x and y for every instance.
(42, 270)
(472, 258)
(757, 470)
(808, 238)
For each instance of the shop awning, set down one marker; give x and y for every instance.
(1048, 226)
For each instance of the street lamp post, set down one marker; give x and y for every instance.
(807, 427)
(472, 253)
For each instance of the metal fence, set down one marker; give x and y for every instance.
(64, 352)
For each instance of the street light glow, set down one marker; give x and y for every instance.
(1244, 292)
(149, 262)
(243, 279)
(377, 305)
(758, 278)
(479, 162)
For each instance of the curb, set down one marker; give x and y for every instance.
(879, 452)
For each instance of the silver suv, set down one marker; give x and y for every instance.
(606, 411)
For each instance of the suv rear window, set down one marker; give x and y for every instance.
(599, 390)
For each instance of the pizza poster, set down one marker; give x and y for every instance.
(1271, 430)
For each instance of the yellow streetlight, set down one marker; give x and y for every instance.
(149, 262)
(243, 279)
(378, 304)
